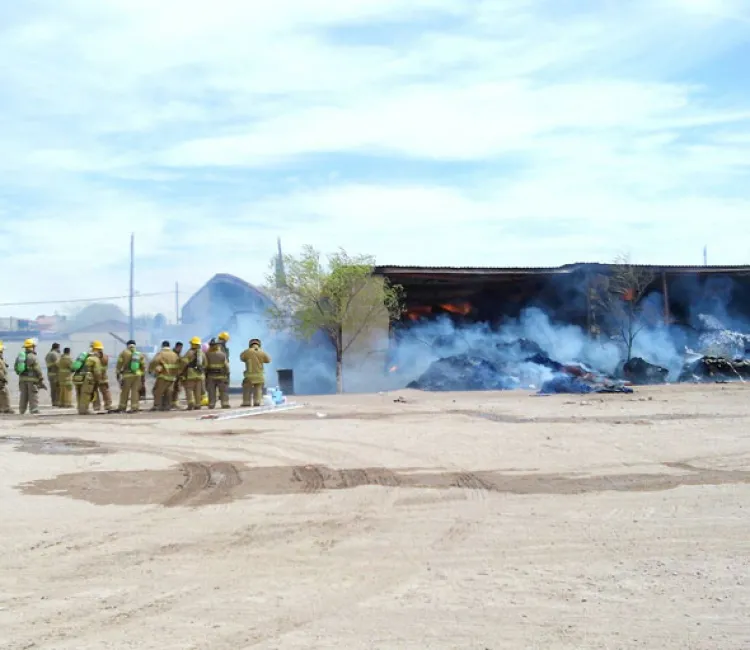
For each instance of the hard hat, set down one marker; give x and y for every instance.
(195, 341)
(212, 342)
(29, 343)
(1, 346)
(224, 336)
(97, 345)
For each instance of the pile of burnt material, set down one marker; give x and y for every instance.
(582, 385)
(463, 372)
(710, 369)
(640, 372)
(502, 367)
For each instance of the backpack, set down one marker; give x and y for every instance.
(136, 361)
(21, 363)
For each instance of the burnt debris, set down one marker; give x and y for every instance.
(710, 369)
(640, 372)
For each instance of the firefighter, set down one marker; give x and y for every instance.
(65, 379)
(131, 365)
(217, 375)
(4, 390)
(193, 368)
(252, 384)
(92, 375)
(223, 339)
(30, 378)
(51, 361)
(165, 366)
(103, 385)
(178, 382)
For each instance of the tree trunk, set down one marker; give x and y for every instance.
(339, 376)
(340, 362)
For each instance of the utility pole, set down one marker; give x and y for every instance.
(132, 286)
(176, 303)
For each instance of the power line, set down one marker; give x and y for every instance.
(62, 302)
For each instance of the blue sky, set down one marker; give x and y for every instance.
(441, 132)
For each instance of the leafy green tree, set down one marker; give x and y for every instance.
(339, 297)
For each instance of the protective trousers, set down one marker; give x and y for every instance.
(86, 395)
(193, 393)
(252, 393)
(176, 392)
(4, 397)
(106, 397)
(29, 397)
(217, 385)
(163, 394)
(131, 389)
(65, 396)
(54, 389)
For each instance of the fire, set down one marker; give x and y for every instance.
(461, 308)
(415, 313)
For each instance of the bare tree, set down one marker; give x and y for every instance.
(620, 296)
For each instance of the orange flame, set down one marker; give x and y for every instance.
(461, 308)
(415, 313)
(628, 295)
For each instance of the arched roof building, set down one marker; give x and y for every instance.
(214, 306)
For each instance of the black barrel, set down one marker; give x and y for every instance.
(286, 380)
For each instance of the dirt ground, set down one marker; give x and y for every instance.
(477, 521)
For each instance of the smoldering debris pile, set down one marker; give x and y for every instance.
(511, 366)
(534, 353)
(463, 372)
(640, 372)
(711, 369)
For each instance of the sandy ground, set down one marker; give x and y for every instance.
(446, 521)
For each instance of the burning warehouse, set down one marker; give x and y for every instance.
(486, 327)
(492, 295)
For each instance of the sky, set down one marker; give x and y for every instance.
(422, 132)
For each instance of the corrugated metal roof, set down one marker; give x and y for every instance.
(566, 268)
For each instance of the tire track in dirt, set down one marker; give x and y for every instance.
(205, 483)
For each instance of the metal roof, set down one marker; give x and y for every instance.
(545, 270)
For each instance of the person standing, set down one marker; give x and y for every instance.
(103, 385)
(193, 367)
(165, 366)
(255, 359)
(51, 361)
(131, 365)
(4, 390)
(217, 375)
(65, 380)
(30, 378)
(92, 374)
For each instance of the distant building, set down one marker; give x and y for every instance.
(112, 333)
(215, 306)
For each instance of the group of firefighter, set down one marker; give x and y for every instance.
(203, 374)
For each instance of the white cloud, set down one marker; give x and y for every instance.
(518, 132)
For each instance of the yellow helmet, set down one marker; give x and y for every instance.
(195, 341)
(97, 345)
(29, 343)
(1, 346)
(224, 336)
